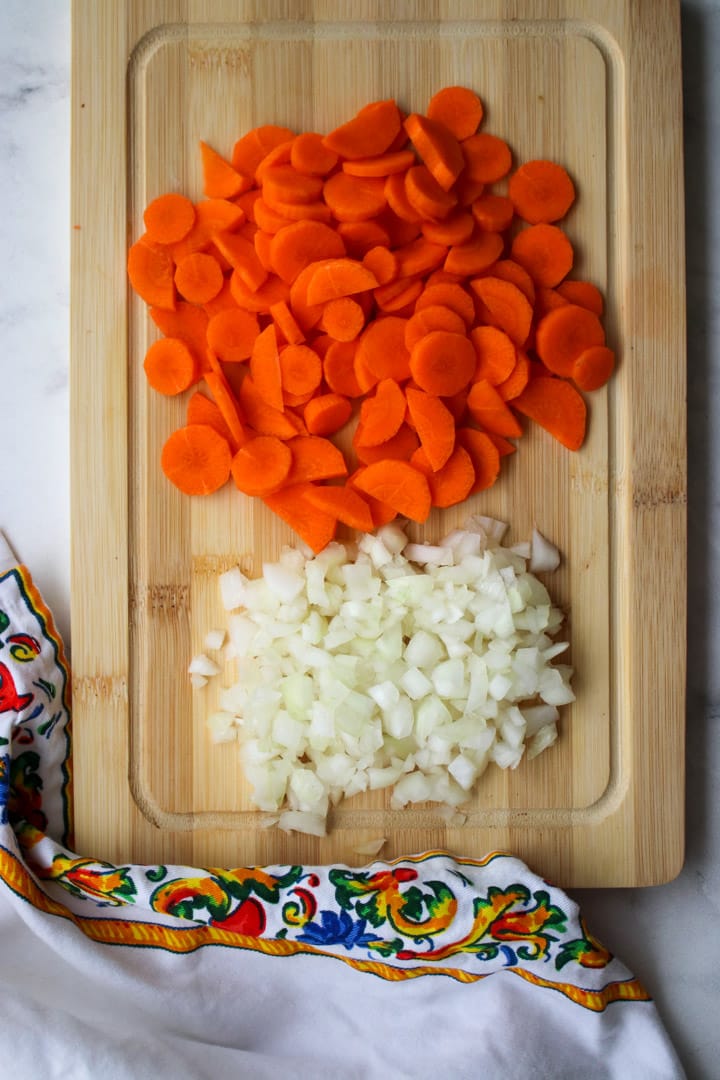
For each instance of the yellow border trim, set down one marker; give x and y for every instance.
(153, 935)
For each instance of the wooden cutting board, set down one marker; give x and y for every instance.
(594, 85)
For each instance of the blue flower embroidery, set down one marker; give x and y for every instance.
(337, 929)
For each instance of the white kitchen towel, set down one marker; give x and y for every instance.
(429, 965)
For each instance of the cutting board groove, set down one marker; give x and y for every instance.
(573, 81)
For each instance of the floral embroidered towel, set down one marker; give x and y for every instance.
(429, 965)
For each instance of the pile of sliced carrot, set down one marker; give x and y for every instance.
(371, 272)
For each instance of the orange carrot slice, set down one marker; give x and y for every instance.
(196, 460)
(557, 407)
(261, 466)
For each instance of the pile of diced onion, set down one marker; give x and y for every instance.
(386, 663)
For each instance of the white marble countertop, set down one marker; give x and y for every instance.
(667, 935)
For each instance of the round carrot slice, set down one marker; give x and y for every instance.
(198, 277)
(170, 366)
(196, 459)
(169, 218)
(443, 363)
(541, 192)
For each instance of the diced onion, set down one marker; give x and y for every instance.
(388, 664)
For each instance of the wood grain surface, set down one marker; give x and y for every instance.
(579, 82)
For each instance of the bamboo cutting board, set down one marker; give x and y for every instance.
(576, 81)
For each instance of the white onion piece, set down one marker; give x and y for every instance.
(544, 555)
(385, 664)
(203, 665)
(198, 681)
(214, 639)
(297, 821)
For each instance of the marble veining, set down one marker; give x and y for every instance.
(667, 935)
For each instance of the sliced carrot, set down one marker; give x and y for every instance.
(458, 108)
(496, 354)
(343, 503)
(265, 368)
(593, 367)
(261, 466)
(170, 366)
(435, 317)
(228, 405)
(434, 424)
(493, 213)
(211, 217)
(382, 165)
(286, 323)
(475, 256)
(489, 410)
(307, 315)
(366, 377)
(268, 219)
(250, 150)
(400, 447)
(399, 485)
(557, 407)
(467, 190)
(517, 380)
(382, 262)
(426, 197)
(169, 218)
(314, 458)
(457, 228)
(397, 295)
(201, 410)
(263, 418)
(354, 198)
(262, 242)
(223, 301)
(419, 257)
(547, 300)
(448, 294)
(443, 363)
(338, 277)
(196, 460)
(584, 294)
(312, 525)
(300, 368)
(453, 482)
(508, 270)
(563, 334)
(382, 347)
(541, 192)
(247, 202)
(343, 318)
(282, 183)
(198, 277)
(381, 415)
(487, 158)
(259, 300)
(296, 401)
(504, 446)
(296, 246)
(220, 180)
(368, 134)
(484, 455)
(279, 155)
(327, 413)
(243, 257)
(438, 148)
(545, 252)
(187, 322)
(231, 334)
(509, 308)
(151, 272)
(297, 211)
(339, 369)
(360, 237)
(310, 156)
(397, 198)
